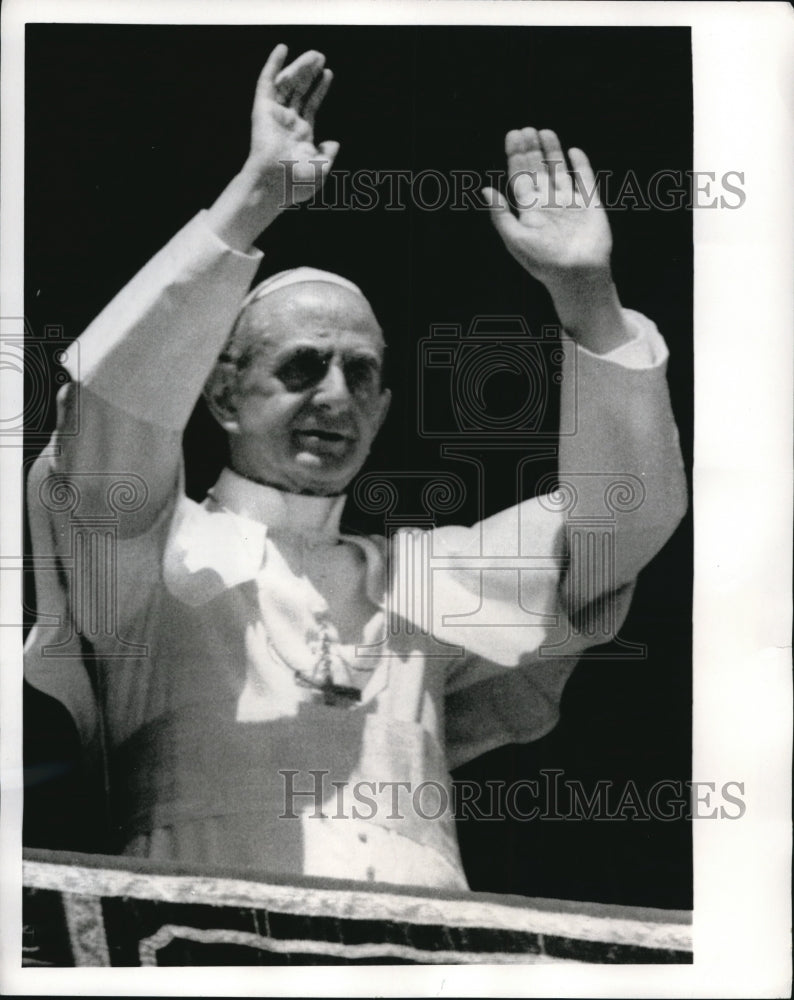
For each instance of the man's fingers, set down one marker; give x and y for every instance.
(514, 143)
(552, 150)
(266, 84)
(532, 150)
(526, 170)
(316, 95)
(294, 82)
(555, 159)
(528, 186)
(585, 181)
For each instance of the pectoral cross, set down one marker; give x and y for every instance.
(339, 695)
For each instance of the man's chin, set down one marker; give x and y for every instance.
(323, 474)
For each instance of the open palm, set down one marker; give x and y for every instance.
(282, 124)
(561, 227)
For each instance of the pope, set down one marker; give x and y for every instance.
(233, 666)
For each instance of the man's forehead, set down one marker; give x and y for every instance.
(314, 310)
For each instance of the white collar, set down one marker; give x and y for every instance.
(207, 554)
(311, 517)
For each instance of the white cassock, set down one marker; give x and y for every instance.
(195, 645)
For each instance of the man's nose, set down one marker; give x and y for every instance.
(333, 391)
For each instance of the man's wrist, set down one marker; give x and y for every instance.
(590, 310)
(245, 208)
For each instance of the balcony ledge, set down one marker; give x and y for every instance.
(98, 910)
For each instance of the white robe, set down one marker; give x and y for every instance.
(176, 633)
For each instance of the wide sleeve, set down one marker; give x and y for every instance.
(513, 583)
(487, 706)
(139, 368)
(151, 348)
(621, 480)
(102, 494)
(618, 496)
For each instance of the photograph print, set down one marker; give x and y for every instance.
(358, 446)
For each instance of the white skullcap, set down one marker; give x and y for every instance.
(295, 276)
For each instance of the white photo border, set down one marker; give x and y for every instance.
(744, 316)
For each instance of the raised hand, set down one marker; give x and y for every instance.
(284, 165)
(286, 101)
(560, 234)
(561, 225)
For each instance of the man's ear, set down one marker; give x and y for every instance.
(384, 403)
(219, 393)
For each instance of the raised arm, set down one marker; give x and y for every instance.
(621, 470)
(624, 459)
(140, 366)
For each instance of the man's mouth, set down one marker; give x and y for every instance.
(320, 441)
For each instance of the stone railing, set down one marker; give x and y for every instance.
(95, 910)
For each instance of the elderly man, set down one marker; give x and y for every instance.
(272, 691)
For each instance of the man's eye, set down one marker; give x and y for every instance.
(303, 370)
(361, 375)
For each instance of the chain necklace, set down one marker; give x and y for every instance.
(321, 679)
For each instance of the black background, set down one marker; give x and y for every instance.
(130, 130)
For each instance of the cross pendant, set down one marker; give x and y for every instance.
(339, 694)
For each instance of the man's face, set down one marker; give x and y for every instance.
(309, 404)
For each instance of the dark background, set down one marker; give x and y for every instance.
(130, 130)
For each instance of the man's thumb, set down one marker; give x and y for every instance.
(327, 151)
(503, 219)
